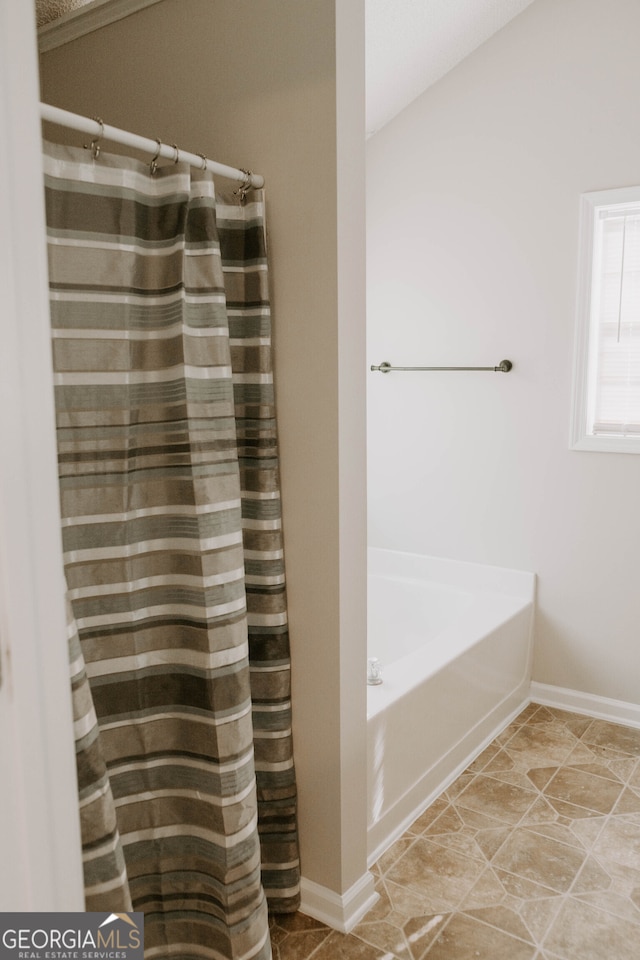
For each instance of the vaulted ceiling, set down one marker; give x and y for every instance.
(413, 43)
(410, 44)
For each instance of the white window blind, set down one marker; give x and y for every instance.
(606, 404)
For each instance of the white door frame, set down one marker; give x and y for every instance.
(39, 827)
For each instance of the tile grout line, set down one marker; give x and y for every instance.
(607, 751)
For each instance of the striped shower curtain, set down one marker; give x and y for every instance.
(173, 551)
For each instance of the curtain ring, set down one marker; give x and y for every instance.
(204, 161)
(94, 146)
(153, 166)
(177, 156)
(241, 192)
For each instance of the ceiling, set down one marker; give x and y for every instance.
(49, 10)
(412, 43)
(409, 43)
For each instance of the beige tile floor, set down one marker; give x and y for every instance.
(533, 853)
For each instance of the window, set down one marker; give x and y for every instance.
(606, 394)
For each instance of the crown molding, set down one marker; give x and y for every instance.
(86, 19)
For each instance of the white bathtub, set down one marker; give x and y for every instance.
(455, 644)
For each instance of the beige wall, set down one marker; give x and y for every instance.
(255, 85)
(472, 232)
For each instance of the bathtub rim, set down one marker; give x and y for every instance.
(475, 624)
(499, 595)
(461, 574)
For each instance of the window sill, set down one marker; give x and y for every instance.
(606, 444)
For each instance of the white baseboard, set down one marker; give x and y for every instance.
(603, 708)
(339, 911)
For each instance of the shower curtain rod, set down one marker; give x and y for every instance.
(99, 130)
